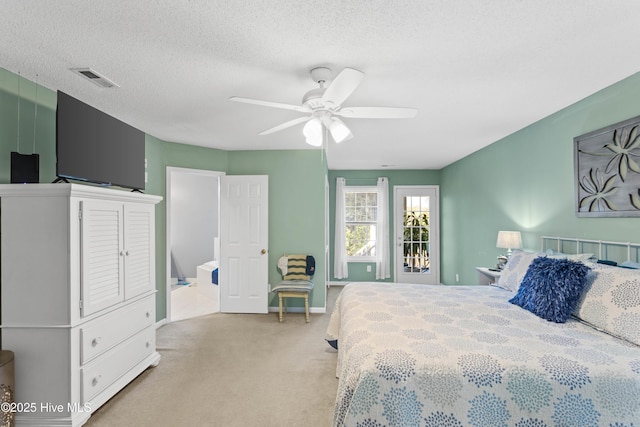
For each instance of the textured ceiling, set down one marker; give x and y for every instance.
(476, 70)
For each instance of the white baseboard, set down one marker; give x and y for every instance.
(160, 323)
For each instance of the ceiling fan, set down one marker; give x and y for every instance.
(324, 106)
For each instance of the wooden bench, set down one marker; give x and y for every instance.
(293, 289)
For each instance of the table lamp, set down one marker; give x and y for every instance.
(509, 240)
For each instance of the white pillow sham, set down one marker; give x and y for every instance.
(611, 301)
(516, 268)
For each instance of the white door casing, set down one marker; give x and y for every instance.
(244, 260)
(417, 267)
(171, 222)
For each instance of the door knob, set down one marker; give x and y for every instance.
(264, 251)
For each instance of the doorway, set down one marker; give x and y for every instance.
(192, 227)
(416, 237)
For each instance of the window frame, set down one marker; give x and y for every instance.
(360, 189)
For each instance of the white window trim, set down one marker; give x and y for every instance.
(360, 189)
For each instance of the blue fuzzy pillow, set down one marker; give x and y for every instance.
(551, 288)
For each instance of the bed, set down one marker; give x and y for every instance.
(432, 355)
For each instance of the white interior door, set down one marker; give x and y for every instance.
(244, 261)
(416, 241)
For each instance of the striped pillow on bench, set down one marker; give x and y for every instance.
(297, 268)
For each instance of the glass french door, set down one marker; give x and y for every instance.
(416, 241)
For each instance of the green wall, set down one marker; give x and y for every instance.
(526, 182)
(358, 270)
(17, 129)
(296, 179)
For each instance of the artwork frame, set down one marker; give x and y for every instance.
(607, 171)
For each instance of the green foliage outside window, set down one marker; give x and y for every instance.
(361, 215)
(416, 240)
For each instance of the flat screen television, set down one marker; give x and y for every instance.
(95, 147)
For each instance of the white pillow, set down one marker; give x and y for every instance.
(516, 268)
(611, 301)
(630, 264)
(573, 257)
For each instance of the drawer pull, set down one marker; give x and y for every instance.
(148, 314)
(96, 380)
(96, 341)
(148, 344)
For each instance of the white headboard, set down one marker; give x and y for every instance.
(602, 249)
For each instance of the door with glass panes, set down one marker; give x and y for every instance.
(416, 243)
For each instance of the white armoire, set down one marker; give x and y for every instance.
(77, 295)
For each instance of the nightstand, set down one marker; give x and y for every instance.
(487, 276)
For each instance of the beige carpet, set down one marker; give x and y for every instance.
(234, 370)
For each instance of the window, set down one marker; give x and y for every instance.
(361, 219)
(362, 227)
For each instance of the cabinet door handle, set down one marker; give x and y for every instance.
(127, 253)
(96, 341)
(96, 380)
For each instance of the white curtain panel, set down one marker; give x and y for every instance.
(382, 231)
(340, 266)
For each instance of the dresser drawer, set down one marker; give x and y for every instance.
(106, 369)
(101, 334)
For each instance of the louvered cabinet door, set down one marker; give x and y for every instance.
(139, 243)
(102, 255)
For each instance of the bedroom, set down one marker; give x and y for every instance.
(523, 181)
(480, 194)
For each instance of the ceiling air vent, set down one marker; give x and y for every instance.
(94, 77)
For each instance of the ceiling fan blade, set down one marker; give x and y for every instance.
(299, 108)
(285, 125)
(342, 86)
(377, 112)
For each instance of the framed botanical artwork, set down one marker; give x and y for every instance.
(607, 171)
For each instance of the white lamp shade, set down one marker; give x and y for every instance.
(509, 240)
(313, 132)
(339, 131)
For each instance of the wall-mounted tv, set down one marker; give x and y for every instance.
(95, 147)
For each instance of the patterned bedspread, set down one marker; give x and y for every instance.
(420, 355)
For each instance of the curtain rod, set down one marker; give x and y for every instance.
(362, 179)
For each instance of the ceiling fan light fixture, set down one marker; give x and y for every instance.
(323, 103)
(339, 131)
(313, 132)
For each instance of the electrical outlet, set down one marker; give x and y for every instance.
(457, 277)
(368, 269)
